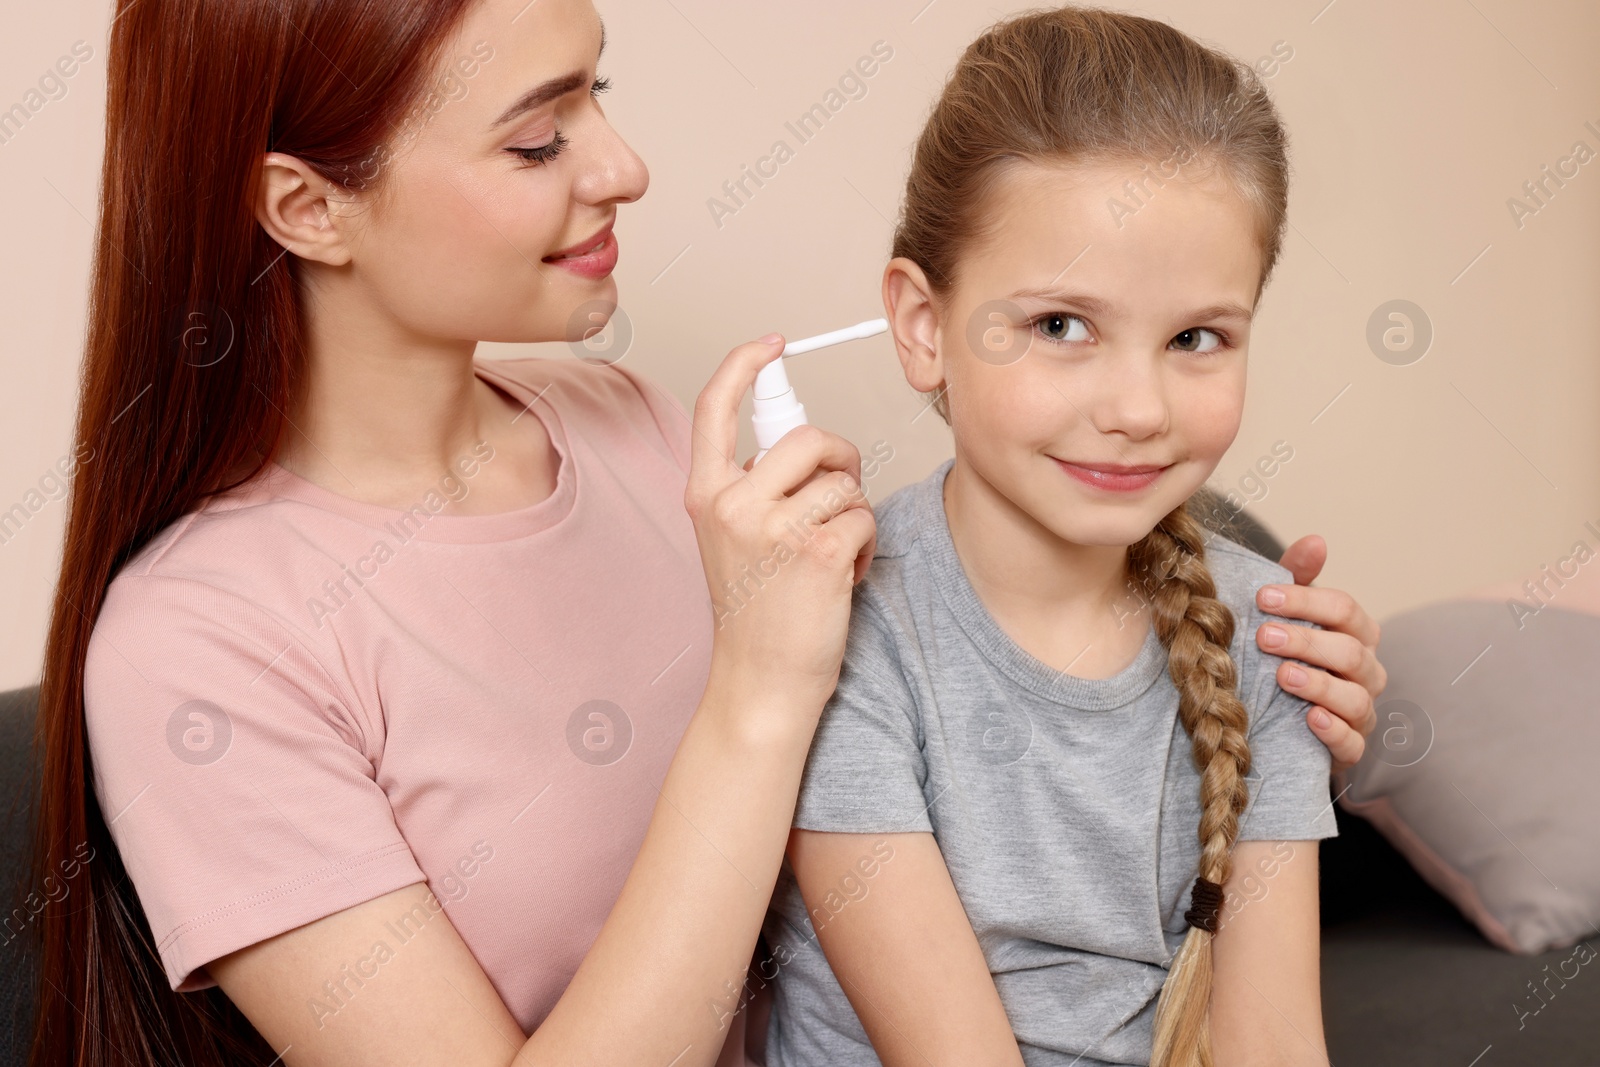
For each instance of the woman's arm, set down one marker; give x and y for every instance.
(665, 972)
(1339, 674)
(905, 953)
(1266, 997)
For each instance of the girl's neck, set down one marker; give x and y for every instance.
(1066, 604)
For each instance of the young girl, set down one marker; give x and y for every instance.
(1053, 752)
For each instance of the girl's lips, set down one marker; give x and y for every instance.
(596, 261)
(1115, 479)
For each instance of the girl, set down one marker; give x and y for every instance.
(382, 682)
(1047, 689)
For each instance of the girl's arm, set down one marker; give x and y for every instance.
(667, 969)
(1266, 997)
(908, 960)
(905, 953)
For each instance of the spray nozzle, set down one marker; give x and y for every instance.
(777, 409)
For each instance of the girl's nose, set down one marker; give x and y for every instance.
(1130, 399)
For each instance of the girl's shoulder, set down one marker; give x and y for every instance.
(1239, 571)
(910, 521)
(910, 514)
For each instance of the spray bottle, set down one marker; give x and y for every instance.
(777, 409)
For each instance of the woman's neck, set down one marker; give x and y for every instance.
(1067, 605)
(383, 413)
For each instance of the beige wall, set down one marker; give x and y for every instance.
(1412, 125)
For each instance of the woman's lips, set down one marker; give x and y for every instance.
(595, 258)
(1114, 478)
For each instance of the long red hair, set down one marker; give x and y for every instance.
(193, 356)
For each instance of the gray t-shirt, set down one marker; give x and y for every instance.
(1067, 809)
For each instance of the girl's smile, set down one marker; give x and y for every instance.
(1112, 477)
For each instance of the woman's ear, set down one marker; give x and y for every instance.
(300, 210)
(914, 323)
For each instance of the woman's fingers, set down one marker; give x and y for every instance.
(819, 522)
(857, 529)
(827, 497)
(1348, 700)
(1346, 744)
(1346, 692)
(797, 457)
(1332, 609)
(1331, 650)
(716, 415)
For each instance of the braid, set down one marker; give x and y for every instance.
(1197, 628)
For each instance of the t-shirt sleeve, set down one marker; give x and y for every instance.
(236, 780)
(675, 424)
(1289, 767)
(866, 772)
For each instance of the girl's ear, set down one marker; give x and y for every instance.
(300, 210)
(914, 323)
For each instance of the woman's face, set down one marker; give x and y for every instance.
(506, 163)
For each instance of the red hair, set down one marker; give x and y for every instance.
(193, 356)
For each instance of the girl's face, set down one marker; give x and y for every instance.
(1094, 344)
(507, 162)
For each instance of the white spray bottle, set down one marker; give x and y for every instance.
(777, 409)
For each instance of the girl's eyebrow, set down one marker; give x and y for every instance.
(545, 92)
(1226, 309)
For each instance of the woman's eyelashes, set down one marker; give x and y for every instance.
(1058, 327)
(541, 154)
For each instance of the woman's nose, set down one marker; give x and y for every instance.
(613, 173)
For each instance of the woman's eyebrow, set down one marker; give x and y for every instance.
(545, 92)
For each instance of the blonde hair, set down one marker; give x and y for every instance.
(1081, 85)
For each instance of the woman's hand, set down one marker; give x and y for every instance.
(1350, 678)
(782, 544)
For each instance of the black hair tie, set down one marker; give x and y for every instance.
(1206, 906)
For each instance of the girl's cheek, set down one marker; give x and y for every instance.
(1212, 428)
(1012, 404)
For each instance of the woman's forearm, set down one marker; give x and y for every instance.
(666, 973)
(667, 968)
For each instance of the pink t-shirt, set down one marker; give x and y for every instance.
(297, 702)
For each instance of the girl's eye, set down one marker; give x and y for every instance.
(1190, 340)
(543, 153)
(600, 85)
(1058, 326)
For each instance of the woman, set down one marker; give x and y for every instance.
(398, 637)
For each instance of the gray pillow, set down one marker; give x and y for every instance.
(1484, 769)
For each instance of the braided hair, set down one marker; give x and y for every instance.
(1169, 566)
